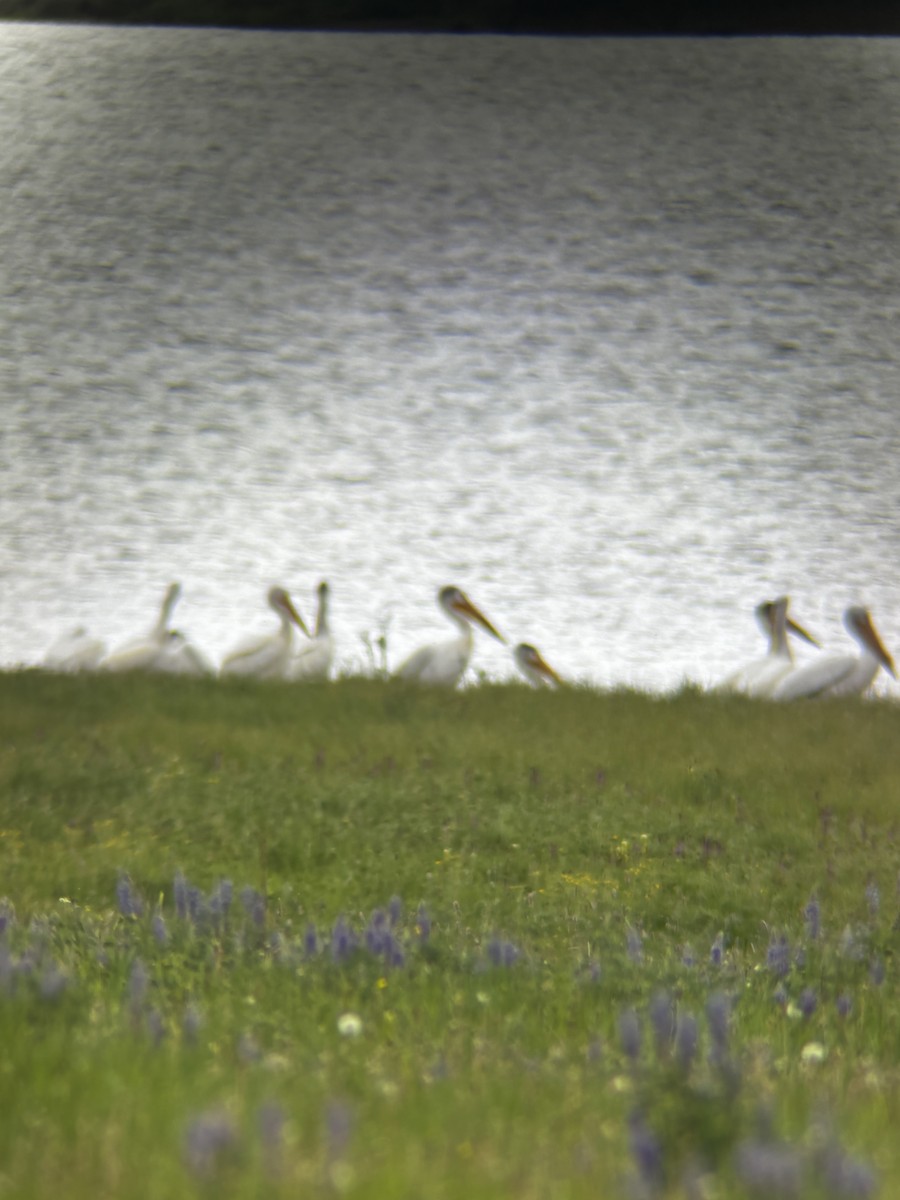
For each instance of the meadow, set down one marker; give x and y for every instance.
(366, 940)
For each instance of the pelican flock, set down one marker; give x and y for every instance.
(281, 654)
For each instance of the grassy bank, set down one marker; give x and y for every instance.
(264, 940)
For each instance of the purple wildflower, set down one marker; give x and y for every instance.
(156, 1027)
(630, 1034)
(767, 1168)
(271, 1122)
(808, 1002)
(685, 1040)
(377, 932)
(717, 951)
(876, 971)
(502, 953)
(338, 1128)
(158, 926)
(847, 1178)
(209, 1139)
(687, 957)
(844, 1005)
(662, 1018)
(343, 941)
(813, 917)
(191, 1024)
(310, 941)
(130, 903)
(395, 910)
(7, 916)
(778, 956)
(647, 1152)
(220, 901)
(138, 982)
(53, 983)
(254, 906)
(718, 1013)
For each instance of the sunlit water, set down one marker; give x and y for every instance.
(603, 331)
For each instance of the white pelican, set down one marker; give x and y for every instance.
(267, 657)
(179, 657)
(534, 666)
(445, 662)
(313, 658)
(75, 651)
(841, 674)
(146, 653)
(762, 676)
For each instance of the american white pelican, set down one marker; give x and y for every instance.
(445, 662)
(534, 666)
(267, 657)
(146, 653)
(762, 676)
(179, 657)
(313, 658)
(75, 651)
(841, 674)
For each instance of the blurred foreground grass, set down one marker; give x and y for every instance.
(379, 942)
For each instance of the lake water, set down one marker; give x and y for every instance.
(603, 331)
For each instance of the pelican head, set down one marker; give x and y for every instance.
(456, 604)
(859, 625)
(769, 613)
(280, 601)
(533, 665)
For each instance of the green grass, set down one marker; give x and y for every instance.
(570, 849)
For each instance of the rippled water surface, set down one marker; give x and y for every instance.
(603, 331)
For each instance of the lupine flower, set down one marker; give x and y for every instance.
(778, 956)
(502, 953)
(271, 1122)
(7, 916)
(220, 901)
(343, 941)
(310, 941)
(876, 971)
(130, 903)
(808, 1002)
(156, 1027)
(844, 1005)
(685, 1040)
(158, 926)
(770, 1168)
(191, 1024)
(209, 1139)
(813, 918)
(718, 1012)
(630, 1034)
(717, 951)
(687, 957)
(338, 1128)
(662, 1018)
(647, 1152)
(254, 906)
(847, 1178)
(138, 982)
(377, 932)
(395, 910)
(53, 983)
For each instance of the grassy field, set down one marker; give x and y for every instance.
(362, 940)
